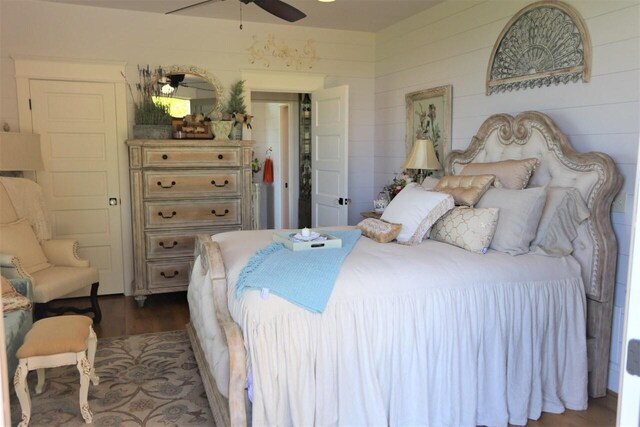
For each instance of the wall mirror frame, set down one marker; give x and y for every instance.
(216, 89)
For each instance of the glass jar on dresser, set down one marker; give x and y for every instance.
(179, 189)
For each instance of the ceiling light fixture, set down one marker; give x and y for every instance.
(326, 1)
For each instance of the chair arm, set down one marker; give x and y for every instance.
(12, 267)
(23, 286)
(63, 252)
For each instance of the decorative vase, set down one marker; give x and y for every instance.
(237, 132)
(152, 131)
(221, 129)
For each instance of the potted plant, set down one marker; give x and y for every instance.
(236, 105)
(152, 120)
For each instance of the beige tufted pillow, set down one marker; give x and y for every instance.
(468, 228)
(466, 190)
(379, 230)
(511, 174)
(18, 239)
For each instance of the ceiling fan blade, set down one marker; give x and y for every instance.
(188, 7)
(280, 9)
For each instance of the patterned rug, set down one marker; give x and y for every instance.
(145, 380)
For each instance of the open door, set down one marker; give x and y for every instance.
(329, 161)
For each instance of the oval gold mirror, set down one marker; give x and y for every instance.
(189, 90)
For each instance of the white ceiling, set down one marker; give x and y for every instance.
(356, 15)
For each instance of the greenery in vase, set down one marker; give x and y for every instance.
(396, 185)
(146, 110)
(236, 98)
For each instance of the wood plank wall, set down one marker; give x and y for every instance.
(451, 44)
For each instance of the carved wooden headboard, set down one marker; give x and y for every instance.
(534, 134)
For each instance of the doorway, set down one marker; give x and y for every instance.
(79, 109)
(276, 134)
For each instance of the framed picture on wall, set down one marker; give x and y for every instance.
(429, 117)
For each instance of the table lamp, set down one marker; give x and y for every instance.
(20, 152)
(422, 158)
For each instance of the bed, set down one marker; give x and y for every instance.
(430, 334)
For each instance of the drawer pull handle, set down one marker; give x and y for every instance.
(169, 247)
(175, 273)
(165, 157)
(166, 186)
(226, 211)
(220, 157)
(226, 181)
(167, 217)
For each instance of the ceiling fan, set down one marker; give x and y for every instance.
(275, 7)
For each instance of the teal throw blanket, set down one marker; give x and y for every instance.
(306, 278)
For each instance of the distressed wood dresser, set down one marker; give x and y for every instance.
(180, 188)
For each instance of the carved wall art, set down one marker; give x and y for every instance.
(545, 43)
(272, 49)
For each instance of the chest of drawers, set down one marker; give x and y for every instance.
(180, 189)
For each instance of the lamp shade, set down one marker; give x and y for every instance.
(422, 156)
(20, 152)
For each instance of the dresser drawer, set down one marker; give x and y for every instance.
(168, 274)
(176, 243)
(186, 184)
(189, 157)
(189, 213)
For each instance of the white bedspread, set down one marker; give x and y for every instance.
(412, 335)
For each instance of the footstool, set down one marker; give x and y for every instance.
(53, 342)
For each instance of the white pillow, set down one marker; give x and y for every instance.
(520, 212)
(417, 210)
(563, 212)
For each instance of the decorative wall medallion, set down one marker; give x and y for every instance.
(271, 49)
(546, 42)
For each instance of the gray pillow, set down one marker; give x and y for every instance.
(563, 212)
(520, 212)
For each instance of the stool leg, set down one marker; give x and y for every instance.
(84, 368)
(22, 390)
(40, 384)
(91, 353)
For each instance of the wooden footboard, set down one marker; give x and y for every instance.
(235, 413)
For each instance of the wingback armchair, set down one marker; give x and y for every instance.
(27, 251)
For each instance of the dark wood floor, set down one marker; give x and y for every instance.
(169, 312)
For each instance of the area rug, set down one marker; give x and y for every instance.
(145, 380)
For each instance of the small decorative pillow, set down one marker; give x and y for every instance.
(511, 174)
(6, 285)
(11, 299)
(468, 228)
(416, 209)
(520, 212)
(466, 190)
(18, 239)
(430, 182)
(379, 230)
(563, 212)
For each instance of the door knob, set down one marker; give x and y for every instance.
(113, 201)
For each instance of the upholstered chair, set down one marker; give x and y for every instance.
(27, 251)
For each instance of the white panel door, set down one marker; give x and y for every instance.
(77, 125)
(629, 397)
(329, 162)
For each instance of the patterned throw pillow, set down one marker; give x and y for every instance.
(468, 228)
(511, 174)
(379, 230)
(466, 190)
(11, 299)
